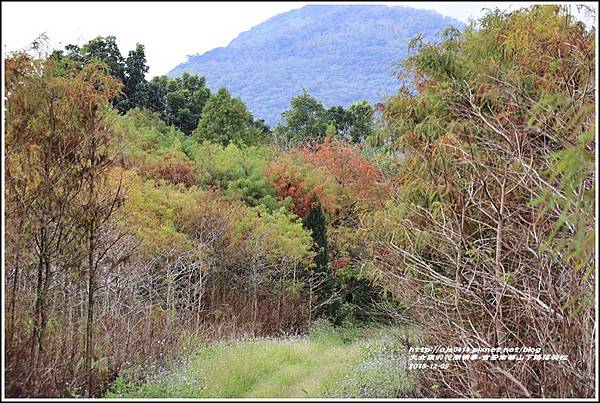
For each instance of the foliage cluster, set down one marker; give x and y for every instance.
(489, 232)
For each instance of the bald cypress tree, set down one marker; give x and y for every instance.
(328, 303)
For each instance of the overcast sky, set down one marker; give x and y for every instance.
(171, 30)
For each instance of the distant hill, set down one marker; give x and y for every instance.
(338, 53)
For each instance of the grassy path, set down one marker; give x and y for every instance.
(324, 364)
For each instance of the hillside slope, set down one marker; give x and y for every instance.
(338, 53)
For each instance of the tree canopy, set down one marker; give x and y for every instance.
(226, 120)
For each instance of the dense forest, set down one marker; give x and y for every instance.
(147, 216)
(339, 53)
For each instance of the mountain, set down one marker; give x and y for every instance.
(338, 53)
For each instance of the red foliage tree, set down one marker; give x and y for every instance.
(353, 172)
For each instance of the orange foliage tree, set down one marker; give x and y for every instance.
(303, 185)
(356, 176)
(174, 167)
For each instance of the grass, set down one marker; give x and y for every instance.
(329, 362)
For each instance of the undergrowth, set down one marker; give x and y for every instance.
(349, 361)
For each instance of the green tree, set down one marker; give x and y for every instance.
(264, 130)
(226, 120)
(315, 221)
(136, 86)
(305, 121)
(106, 50)
(180, 100)
(341, 119)
(156, 91)
(362, 125)
(328, 301)
(130, 71)
(308, 121)
(353, 124)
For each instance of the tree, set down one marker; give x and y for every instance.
(323, 283)
(491, 225)
(56, 166)
(130, 71)
(180, 101)
(264, 130)
(106, 50)
(136, 86)
(353, 124)
(98, 203)
(358, 179)
(305, 121)
(362, 126)
(341, 120)
(226, 120)
(174, 167)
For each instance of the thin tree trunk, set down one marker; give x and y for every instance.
(309, 305)
(91, 228)
(38, 303)
(43, 313)
(13, 298)
(199, 302)
(90, 317)
(499, 272)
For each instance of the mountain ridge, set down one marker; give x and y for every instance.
(338, 53)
